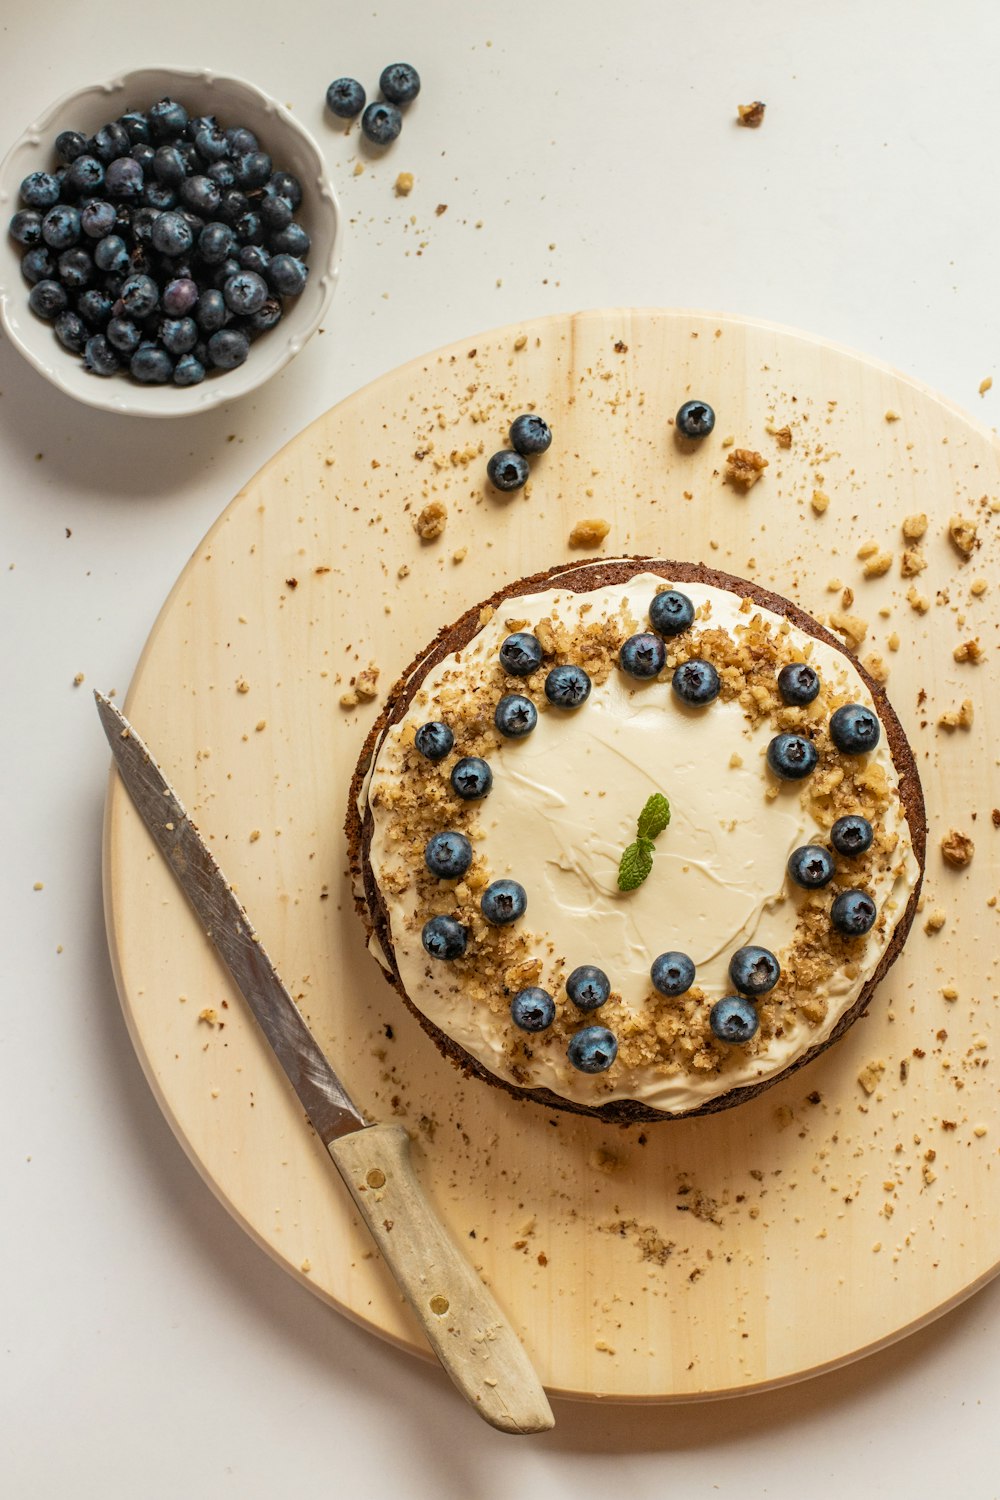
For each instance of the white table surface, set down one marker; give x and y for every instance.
(147, 1347)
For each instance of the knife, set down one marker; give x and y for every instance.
(458, 1314)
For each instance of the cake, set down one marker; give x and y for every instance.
(636, 839)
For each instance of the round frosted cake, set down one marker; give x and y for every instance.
(636, 839)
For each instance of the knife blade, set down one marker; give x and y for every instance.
(459, 1315)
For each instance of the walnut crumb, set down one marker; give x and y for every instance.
(751, 115)
(432, 520)
(957, 718)
(78, 679)
(242, 686)
(871, 1075)
(893, 641)
(819, 502)
(892, 416)
(878, 566)
(957, 849)
(365, 687)
(935, 920)
(917, 601)
(744, 467)
(403, 186)
(978, 587)
(208, 1016)
(911, 562)
(970, 651)
(589, 533)
(962, 533)
(876, 666)
(782, 435)
(915, 526)
(851, 627)
(349, 699)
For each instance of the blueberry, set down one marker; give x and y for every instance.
(111, 142)
(345, 98)
(292, 240)
(94, 307)
(188, 370)
(233, 205)
(171, 235)
(142, 225)
(98, 219)
(228, 348)
(507, 470)
(448, 855)
(252, 257)
(521, 654)
(249, 228)
(811, 866)
(287, 185)
(533, 1009)
(26, 227)
(179, 296)
(853, 913)
(40, 190)
(530, 434)
(223, 174)
(852, 835)
(792, 756)
(643, 656)
(47, 299)
(695, 419)
(567, 687)
(593, 1049)
(145, 156)
(503, 902)
(671, 613)
(245, 293)
(136, 127)
(211, 313)
(211, 144)
(86, 175)
(754, 970)
(733, 1020)
(201, 195)
(38, 265)
(169, 166)
(241, 140)
(696, 682)
(71, 331)
(275, 210)
(61, 227)
(471, 778)
(150, 365)
(252, 169)
(381, 123)
(76, 269)
(69, 145)
(400, 83)
(223, 271)
(588, 987)
(123, 335)
(178, 335)
(266, 316)
(855, 729)
(140, 296)
(434, 740)
(216, 242)
(111, 253)
(443, 937)
(515, 715)
(672, 974)
(287, 275)
(99, 357)
(167, 119)
(798, 684)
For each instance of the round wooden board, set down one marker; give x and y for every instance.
(682, 1260)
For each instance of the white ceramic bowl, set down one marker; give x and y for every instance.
(291, 148)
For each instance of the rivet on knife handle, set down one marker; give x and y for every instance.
(457, 1313)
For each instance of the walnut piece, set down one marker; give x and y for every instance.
(751, 115)
(912, 562)
(403, 185)
(819, 501)
(878, 566)
(914, 526)
(851, 627)
(957, 849)
(957, 718)
(870, 1075)
(364, 685)
(744, 467)
(432, 520)
(935, 920)
(589, 533)
(970, 651)
(962, 533)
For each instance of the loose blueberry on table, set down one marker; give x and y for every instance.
(400, 83)
(381, 123)
(695, 419)
(148, 221)
(507, 470)
(530, 434)
(345, 98)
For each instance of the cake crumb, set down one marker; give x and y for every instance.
(851, 627)
(871, 1075)
(986, 385)
(949, 992)
(365, 686)
(878, 566)
(209, 1016)
(935, 920)
(359, 167)
(78, 679)
(970, 651)
(349, 699)
(819, 502)
(589, 533)
(957, 718)
(962, 534)
(744, 466)
(957, 849)
(305, 1267)
(751, 115)
(915, 526)
(242, 686)
(876, 667)
(911, 562)
(403, 571)
(735, 760)
(460, 554)
(893, 641)
(403, 186)
(917, 601)
(432, 520)
(978, 587)
(892, 416)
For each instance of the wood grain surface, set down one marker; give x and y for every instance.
(758, 1246)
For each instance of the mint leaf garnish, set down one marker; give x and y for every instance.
(654, 817)
(635, 864)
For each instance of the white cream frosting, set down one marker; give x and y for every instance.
(563, 807)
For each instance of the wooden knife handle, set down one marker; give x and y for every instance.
(462, 1322)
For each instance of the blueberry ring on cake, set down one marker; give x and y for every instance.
(636, 839)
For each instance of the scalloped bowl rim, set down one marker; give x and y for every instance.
(34, 338)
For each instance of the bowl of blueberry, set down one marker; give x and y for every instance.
(171, 240)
